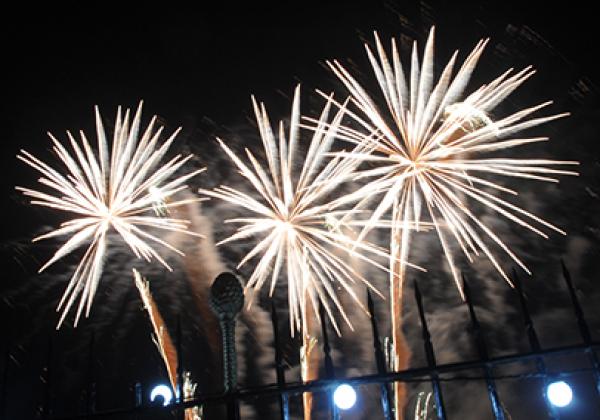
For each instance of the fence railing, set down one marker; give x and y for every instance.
(434, 373)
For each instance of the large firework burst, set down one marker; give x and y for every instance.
(122, 189)
(296, 219)
(424, 155)
(425, 152)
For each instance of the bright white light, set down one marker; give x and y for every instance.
(164, 391)
(559, 393)
(344, 396)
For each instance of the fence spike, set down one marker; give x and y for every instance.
(430, 355)
(386, 401)
(329, 369)
(534, 342)
(279, 369)
(529, 328)
(46, 408)
(483, 354)
(179, 346)
(584, 330)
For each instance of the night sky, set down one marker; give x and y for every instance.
(197, 70)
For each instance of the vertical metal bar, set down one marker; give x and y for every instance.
(138, 394)
(386, 401)
(90, 395)
(179, 391)
(329, 370)
(430, 355)
(233, 409)
(47, 378)
(534, 343)
(138, 399)
(584, 330)
(483, 355)
(284, 408)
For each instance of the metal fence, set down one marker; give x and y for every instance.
(433, 372)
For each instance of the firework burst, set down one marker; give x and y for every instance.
(296, 220)
(425, 152)
(116, 189)
(424, 158)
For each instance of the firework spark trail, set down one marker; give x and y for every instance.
(425, 159)
(115, 189)
(296, 220)
(161, 338)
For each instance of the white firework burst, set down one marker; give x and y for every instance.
(425, 149)
(296, 219)
(115, 189)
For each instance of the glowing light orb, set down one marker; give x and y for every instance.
(163, 391)
(344, 396)
(559, 393)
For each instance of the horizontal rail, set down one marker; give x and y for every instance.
(326, 384)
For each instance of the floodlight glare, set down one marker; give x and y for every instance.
(344, 396)
(164, 391)
(559, 393)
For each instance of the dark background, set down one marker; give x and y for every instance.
(198, 69)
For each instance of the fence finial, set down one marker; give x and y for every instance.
(226, 300)
(430, 355)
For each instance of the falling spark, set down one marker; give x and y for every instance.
(111, 189)
(425, 152)
(165, 346)
(161, 338)
(294, 217)
(422, 406)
